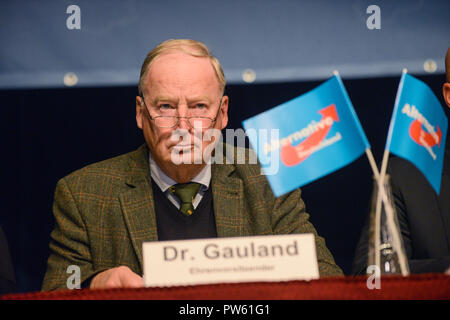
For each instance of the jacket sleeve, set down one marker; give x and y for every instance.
(436, 264)
(289, 216)
(400, 178)
(69, 244)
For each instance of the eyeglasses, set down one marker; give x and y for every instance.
(173, 121)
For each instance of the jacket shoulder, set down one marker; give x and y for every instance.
(110, 171)
(249, 170)
(244, 160)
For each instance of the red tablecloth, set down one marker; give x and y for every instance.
(426, 286)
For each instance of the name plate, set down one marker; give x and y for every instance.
(240, 259)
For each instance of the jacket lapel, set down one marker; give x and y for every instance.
(138, 204)
(139, 208)
(228, 198)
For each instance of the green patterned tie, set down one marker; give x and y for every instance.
(186, 193)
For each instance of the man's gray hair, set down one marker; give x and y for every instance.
(188, 46)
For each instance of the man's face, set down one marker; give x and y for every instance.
(178, 84)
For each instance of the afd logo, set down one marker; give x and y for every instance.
(314, 134)
(427, 138)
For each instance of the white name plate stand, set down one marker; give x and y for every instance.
(221, 260)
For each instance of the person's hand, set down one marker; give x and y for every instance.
(120, 277)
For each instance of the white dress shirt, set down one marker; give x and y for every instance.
(164, 182)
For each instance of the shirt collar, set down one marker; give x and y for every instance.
(164, 181)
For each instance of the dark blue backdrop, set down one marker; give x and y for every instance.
(49, 130)
(49, 133)
(282, 40)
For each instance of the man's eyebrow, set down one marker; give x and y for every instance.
(163, 98)
(199, 98)
(189, 100)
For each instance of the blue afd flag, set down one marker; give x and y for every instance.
(418, 129)
(308, 137)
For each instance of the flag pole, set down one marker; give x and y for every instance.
(378, 208)
(378, 205)
(381, 190)
(389, 210)
(386, 150)
(372, 163)
(382, 198)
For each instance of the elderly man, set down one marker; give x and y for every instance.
(164, 190)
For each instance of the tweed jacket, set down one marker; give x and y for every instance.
(105, 211)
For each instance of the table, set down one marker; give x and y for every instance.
(414, 287)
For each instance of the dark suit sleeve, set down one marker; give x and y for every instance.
(399, 175)
(359, 265)
(438, 265)
(7, 277)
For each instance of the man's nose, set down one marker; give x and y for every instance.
(183, 122)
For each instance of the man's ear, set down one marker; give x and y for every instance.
(224, 112)
(446, 93)
(139, 114)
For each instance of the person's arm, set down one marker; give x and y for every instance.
(415, 265)
(69, 243)
(119, 277)
(289, 216)
(399, 179)
(438, 265)
(70, 246)
(359, 265)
